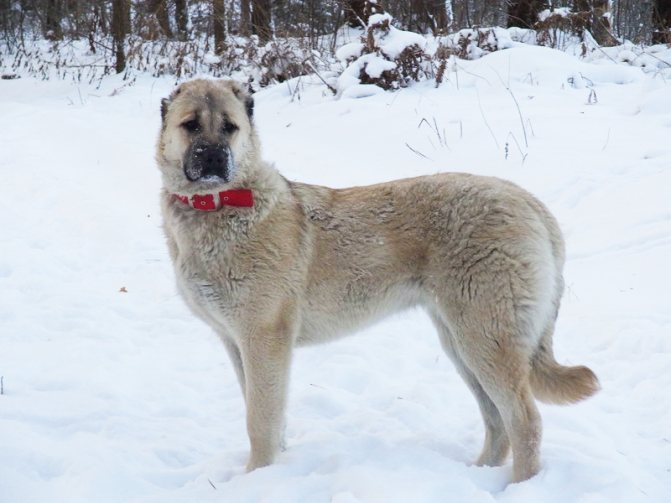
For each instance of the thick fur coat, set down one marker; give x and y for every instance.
(307, 264)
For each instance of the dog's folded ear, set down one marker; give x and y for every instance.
(243, 95)
(165, 102)
(249, 106)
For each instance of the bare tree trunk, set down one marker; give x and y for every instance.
(428, 15)
(524, 13)
(119, 32)
(181, 19)
(581, 6)
(52, 20)
(159, 8)
(357, 12)
(600, 20)
(126, 17)
(440, 17)
(219, 21)
(461, 15)
(601, 28)
(662, 22)
(4, 14)
(245, 18)
(102, 18)
(261, 10)
(354, 15)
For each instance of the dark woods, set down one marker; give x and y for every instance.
(221, 24)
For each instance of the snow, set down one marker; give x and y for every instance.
(349, 52)
(557, 11)
(651, 59)
(392, 41)
(211, 59)
(113, 395)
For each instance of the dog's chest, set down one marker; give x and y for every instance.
(210, 280)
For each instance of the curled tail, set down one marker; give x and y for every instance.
(555, 383)
(550, 381)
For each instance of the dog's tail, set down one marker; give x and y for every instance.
(555, 383)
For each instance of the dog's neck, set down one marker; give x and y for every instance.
(258, 190)
(243, 198)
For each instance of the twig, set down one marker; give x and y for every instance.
(607, 140)
(511, 135)
(517, 105)
(519, 112)
(605, 53)
(592, 98)
(473, 74)
(417, 151)
(330, 87)
(2, 385)
(652, 56)
(482, 112)
(531, 128)
(442, 139)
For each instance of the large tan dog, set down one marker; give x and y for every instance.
(271, 264)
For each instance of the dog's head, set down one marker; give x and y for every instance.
(207, 136)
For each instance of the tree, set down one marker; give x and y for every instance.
(261, 18)
(354, 15)
(219, 21)
(245, 18)
(599, 19)
(460, 15)
(120, 12)
(471, 13)
(181, 19)
(524, 13)
(662, 22)
(159, 8)
(428, 16)
(52, 20)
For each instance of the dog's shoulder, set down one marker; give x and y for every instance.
(311, 199)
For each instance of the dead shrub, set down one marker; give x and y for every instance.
(554, 30)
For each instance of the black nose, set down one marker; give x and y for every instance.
(205, 160)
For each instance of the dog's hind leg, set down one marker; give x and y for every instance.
(496, 445)
(501, 365)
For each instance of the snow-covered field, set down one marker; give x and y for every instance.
(113, 392)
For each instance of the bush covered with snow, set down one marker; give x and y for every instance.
(391, 58)
(385, 56)
(473, 43)
(561, 27)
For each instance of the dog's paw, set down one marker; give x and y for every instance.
(255, 463)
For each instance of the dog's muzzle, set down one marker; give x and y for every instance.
(207, 161)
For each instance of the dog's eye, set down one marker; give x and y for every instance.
(191, 126)
(229, 127)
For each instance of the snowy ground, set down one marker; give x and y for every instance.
(113, 392)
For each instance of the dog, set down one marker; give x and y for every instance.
(271, 264)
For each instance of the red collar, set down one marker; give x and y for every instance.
(212, 202)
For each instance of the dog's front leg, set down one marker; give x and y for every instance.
(266, 355)
(236, 360)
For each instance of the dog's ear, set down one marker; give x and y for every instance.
(165, 102)
(245, 96)
(249, 106)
